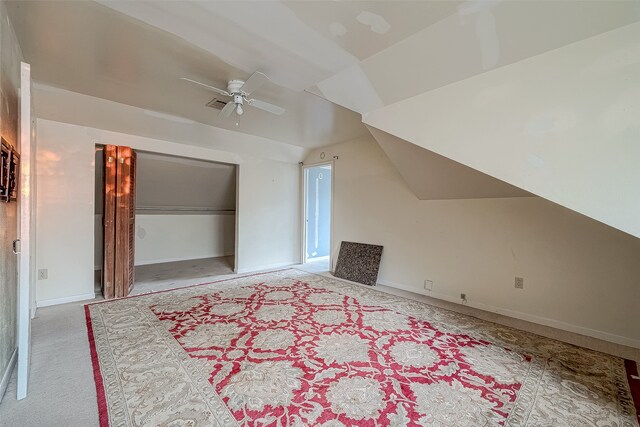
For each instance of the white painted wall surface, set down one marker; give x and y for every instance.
(563, 125)
(579, 275)
(165, 238)
(64, 214)
(269, 209)
(268, 205)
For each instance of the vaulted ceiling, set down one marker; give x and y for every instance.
(358, 55)
(86, 47)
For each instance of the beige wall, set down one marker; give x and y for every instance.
(10, 57)
(65, 213)
(579, 275)
(177, 237)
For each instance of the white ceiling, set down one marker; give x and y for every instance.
(360, 55)
(480, 36)
(85, 47)
(294, 42)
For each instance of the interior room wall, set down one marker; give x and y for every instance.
(268, 215)
(177, 237)
(579, 275)
(10, 57)
(268, 205)
(65, 216)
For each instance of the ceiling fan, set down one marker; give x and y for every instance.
(239, 91)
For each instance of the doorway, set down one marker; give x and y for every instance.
(318, 194)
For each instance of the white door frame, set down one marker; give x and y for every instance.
(303, 246)
(26, 231)
(237, 222)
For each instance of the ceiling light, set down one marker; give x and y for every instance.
(239, 110)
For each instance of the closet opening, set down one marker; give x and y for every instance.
(185, 221)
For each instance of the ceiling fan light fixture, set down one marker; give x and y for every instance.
(239, 90)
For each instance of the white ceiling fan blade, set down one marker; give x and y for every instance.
(215, 89)
(266, 106)
(256, 80)
(228, 109)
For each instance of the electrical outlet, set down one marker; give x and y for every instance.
(519, 283)
(428, 284)
(43, 274)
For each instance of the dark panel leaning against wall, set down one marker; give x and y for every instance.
(10, 57)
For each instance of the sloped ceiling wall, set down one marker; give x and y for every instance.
(562, 125)
(174, 182)
(477, 37)
(90, 49)
(431, 176)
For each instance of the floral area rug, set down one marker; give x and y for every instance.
(294, 349)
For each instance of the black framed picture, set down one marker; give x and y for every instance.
(14, 175)
(5, 159)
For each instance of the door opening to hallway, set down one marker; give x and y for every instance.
(317, 213)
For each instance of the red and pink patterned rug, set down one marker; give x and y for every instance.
(293, 349)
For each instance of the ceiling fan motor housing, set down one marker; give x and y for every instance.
(234, 86)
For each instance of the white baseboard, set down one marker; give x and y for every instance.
(7, 373)
(189, 258)
(65, 300)
(605, 336)
(259, 268)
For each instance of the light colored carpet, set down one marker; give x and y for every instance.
(62, 389)
(292, 348)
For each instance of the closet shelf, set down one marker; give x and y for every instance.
(183, 209)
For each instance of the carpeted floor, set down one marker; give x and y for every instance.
(167, 275)
(294, 349)
(62, 390)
